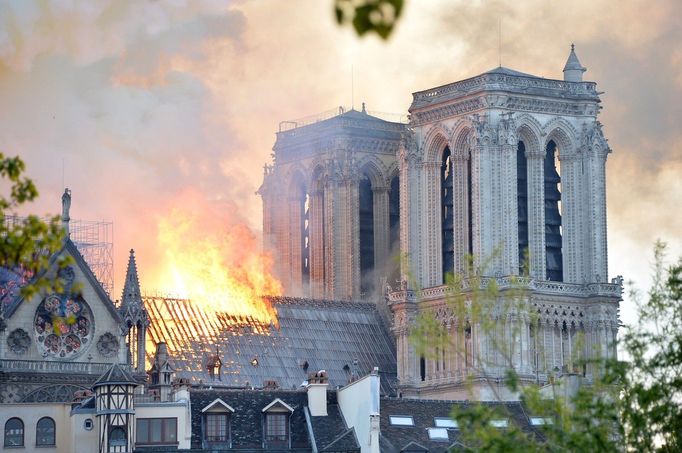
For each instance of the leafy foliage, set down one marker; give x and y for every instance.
(27, 244)
(377, 16)
(632, 405)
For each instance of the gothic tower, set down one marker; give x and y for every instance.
(507, 168)
(135, 318)
(330, 205)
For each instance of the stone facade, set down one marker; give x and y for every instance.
(327, 205)
(506, 168)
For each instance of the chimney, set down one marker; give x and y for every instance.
(317, 393)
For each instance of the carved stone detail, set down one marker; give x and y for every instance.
(18, 341)
(107, 345)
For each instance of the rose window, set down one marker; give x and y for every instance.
(63, 326)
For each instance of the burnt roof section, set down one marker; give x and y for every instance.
(503, 80)
(395, 439)
(353, 128)
(247, 420)
(344, 338)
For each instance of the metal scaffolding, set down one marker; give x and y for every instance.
(95, 241)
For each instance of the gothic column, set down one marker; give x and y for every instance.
(431, 251)
(141, 342)
(536, 212)
(509, 215)
(410, 208)
(329, 233)
(572, 209)
(597, 191)
(460, 207)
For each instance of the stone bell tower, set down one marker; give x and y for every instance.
(510, 169)
(331, 204)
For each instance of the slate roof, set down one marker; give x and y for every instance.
(247, 419)
(330, 432)
(116, 374)
(340, 337)
(395, 439)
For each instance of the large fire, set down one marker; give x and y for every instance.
(215, 261)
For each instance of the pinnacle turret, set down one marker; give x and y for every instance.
(573, 70)
(131, 290)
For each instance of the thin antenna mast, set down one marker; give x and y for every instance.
(62, 174)
(352, 87)
(499, 40)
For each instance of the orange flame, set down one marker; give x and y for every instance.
(215, 261)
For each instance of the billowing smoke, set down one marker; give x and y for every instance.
(142, 100)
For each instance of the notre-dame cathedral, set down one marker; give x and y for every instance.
(506, 168)
(497, 181)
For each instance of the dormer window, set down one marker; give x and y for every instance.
(276, 424)
(216, 421)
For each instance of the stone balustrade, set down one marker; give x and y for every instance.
(506, 283)
(47, 366)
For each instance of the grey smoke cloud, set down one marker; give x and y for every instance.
(145, 99)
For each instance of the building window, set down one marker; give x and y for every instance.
(151, 431)
(540, 421)
(45, 432)
(445, 422)
(366, 225)
(438, 434)
(447, 215)
(553, 242)
(88, 424)
(218, 428)
(401, 420)
(118, 437)
(522, 203)
(277, 429)
(14, 433)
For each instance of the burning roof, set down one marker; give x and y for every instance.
(344, 338)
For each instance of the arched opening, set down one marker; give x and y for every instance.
(45, 431)
(14, 433)
(553, 242)
(366, 220)
(446, 200)
(394, 233)
(133, 336)
(117, 437)
(522, 205)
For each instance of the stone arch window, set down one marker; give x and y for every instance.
(45, 432)
(14, 432)
(366, 221)
(118, 437)
(301, 198)
(394, 229)
(553, 228)
(447, 214)
(522, 205)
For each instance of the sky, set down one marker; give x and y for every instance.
(151, 109)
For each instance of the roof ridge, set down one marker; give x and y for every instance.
(340, 437)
